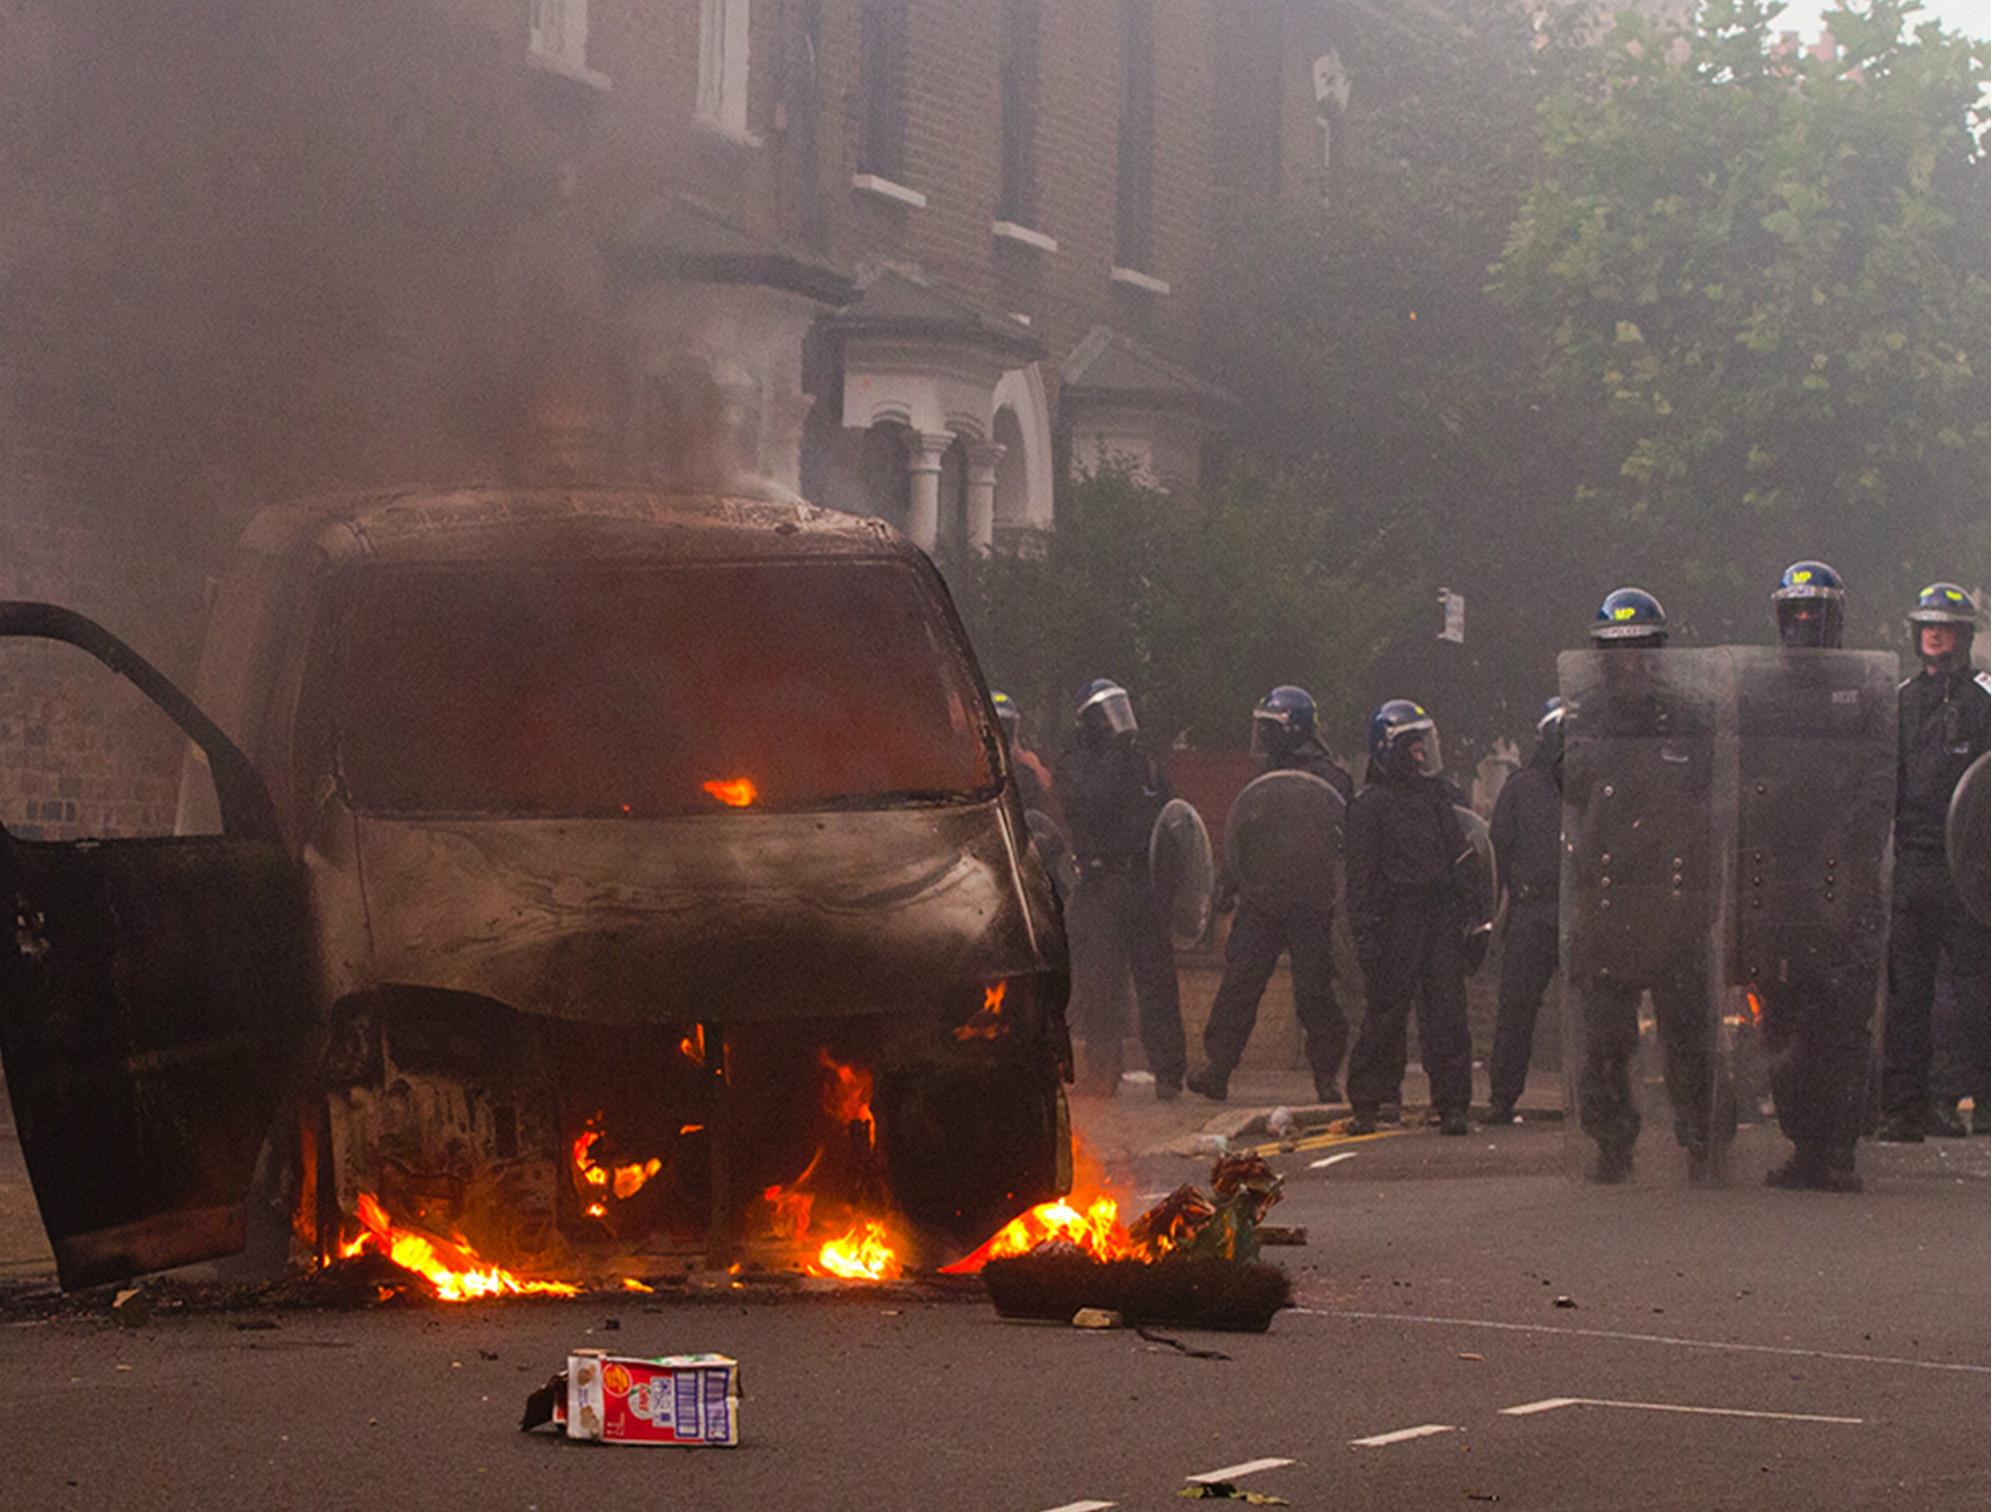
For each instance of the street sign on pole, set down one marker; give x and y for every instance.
(1453, 606)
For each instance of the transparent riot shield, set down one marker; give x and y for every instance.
(1648, 803)
(1815, 798)
(1479, 858)
(1968, 839)
(1183, 872)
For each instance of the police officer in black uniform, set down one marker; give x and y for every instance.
(1944, 727)
(1286, 738)
(1819, 998)
(1112, 789)
(1528, 851)
(1607, 994)
(1413, 887)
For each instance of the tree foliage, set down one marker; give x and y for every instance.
(1764, 276)
(1196, 603)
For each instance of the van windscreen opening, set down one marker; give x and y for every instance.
(649, 692)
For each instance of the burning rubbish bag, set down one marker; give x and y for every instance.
(692, 1401)
(1192, 1260)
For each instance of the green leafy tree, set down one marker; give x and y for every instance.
(1372, 359)
(1764, 278)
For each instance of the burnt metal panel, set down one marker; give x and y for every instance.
(731, 916)
(151, 1001)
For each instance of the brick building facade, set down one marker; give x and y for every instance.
(912, 256)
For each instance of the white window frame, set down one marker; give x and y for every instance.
(724, 27)
(557, 39)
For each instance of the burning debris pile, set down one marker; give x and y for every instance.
(452, 1270)
(1192, 1259)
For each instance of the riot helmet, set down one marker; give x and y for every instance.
(1283, 721)
(1404, 740)
(1104, 709)
(1629, 617)
(1945, 604)
(1008, 715)
(1811, 605)
(1549, 732)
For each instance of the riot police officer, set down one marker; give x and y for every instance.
(1811, 965)
(1944, 724)
(1285, 737)
(1528, 847)
(1412, 897)
(1649, 815)
(1112, 789)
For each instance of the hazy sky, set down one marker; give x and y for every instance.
(1973, 17)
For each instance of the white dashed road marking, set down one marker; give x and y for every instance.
(1642, 1338)
(1328, 1160)
(1233, 1472)
(1082, 1506)
(1403, 1435)
(1551, 1404)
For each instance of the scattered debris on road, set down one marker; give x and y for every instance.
(1097, 1317)
(1225, 1491)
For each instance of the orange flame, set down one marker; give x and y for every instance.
(848, 1097)
(863, 1254)
(734, 792)
(625, 1181)
(988, 1023)
(456, 1270)
(1088, 1217)
(692, 1046)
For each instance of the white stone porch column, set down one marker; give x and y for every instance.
(924, 450)
(982, 459)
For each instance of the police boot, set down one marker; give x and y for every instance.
(1453, 1122)
(1943, 1121)
(1704, 1165)
(1362, 1120)
(1213, 1082)
(1612, 1165)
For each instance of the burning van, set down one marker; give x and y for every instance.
(590, 873)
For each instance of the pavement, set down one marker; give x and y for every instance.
(1474, 1327)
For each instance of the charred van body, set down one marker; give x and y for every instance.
(558, 830)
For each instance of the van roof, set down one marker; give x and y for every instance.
(502, 524)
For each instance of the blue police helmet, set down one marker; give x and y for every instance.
(1103, 705)
(1944, 604)
(1394, 728)
(1629, 614)
(1810, 603)
(1283, 720)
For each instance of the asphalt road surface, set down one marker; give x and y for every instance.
(1726, 1348)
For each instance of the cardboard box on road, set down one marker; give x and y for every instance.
(690, 1400)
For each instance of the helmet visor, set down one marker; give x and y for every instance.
(1272, 734)
(1414, 745)
(1112, 708)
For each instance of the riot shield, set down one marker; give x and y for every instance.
(1815, 766)
(1053, 852)
(1283, 843)
(1182, 871)
(1480, 858)
(1648, 801)
(1967, 839)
